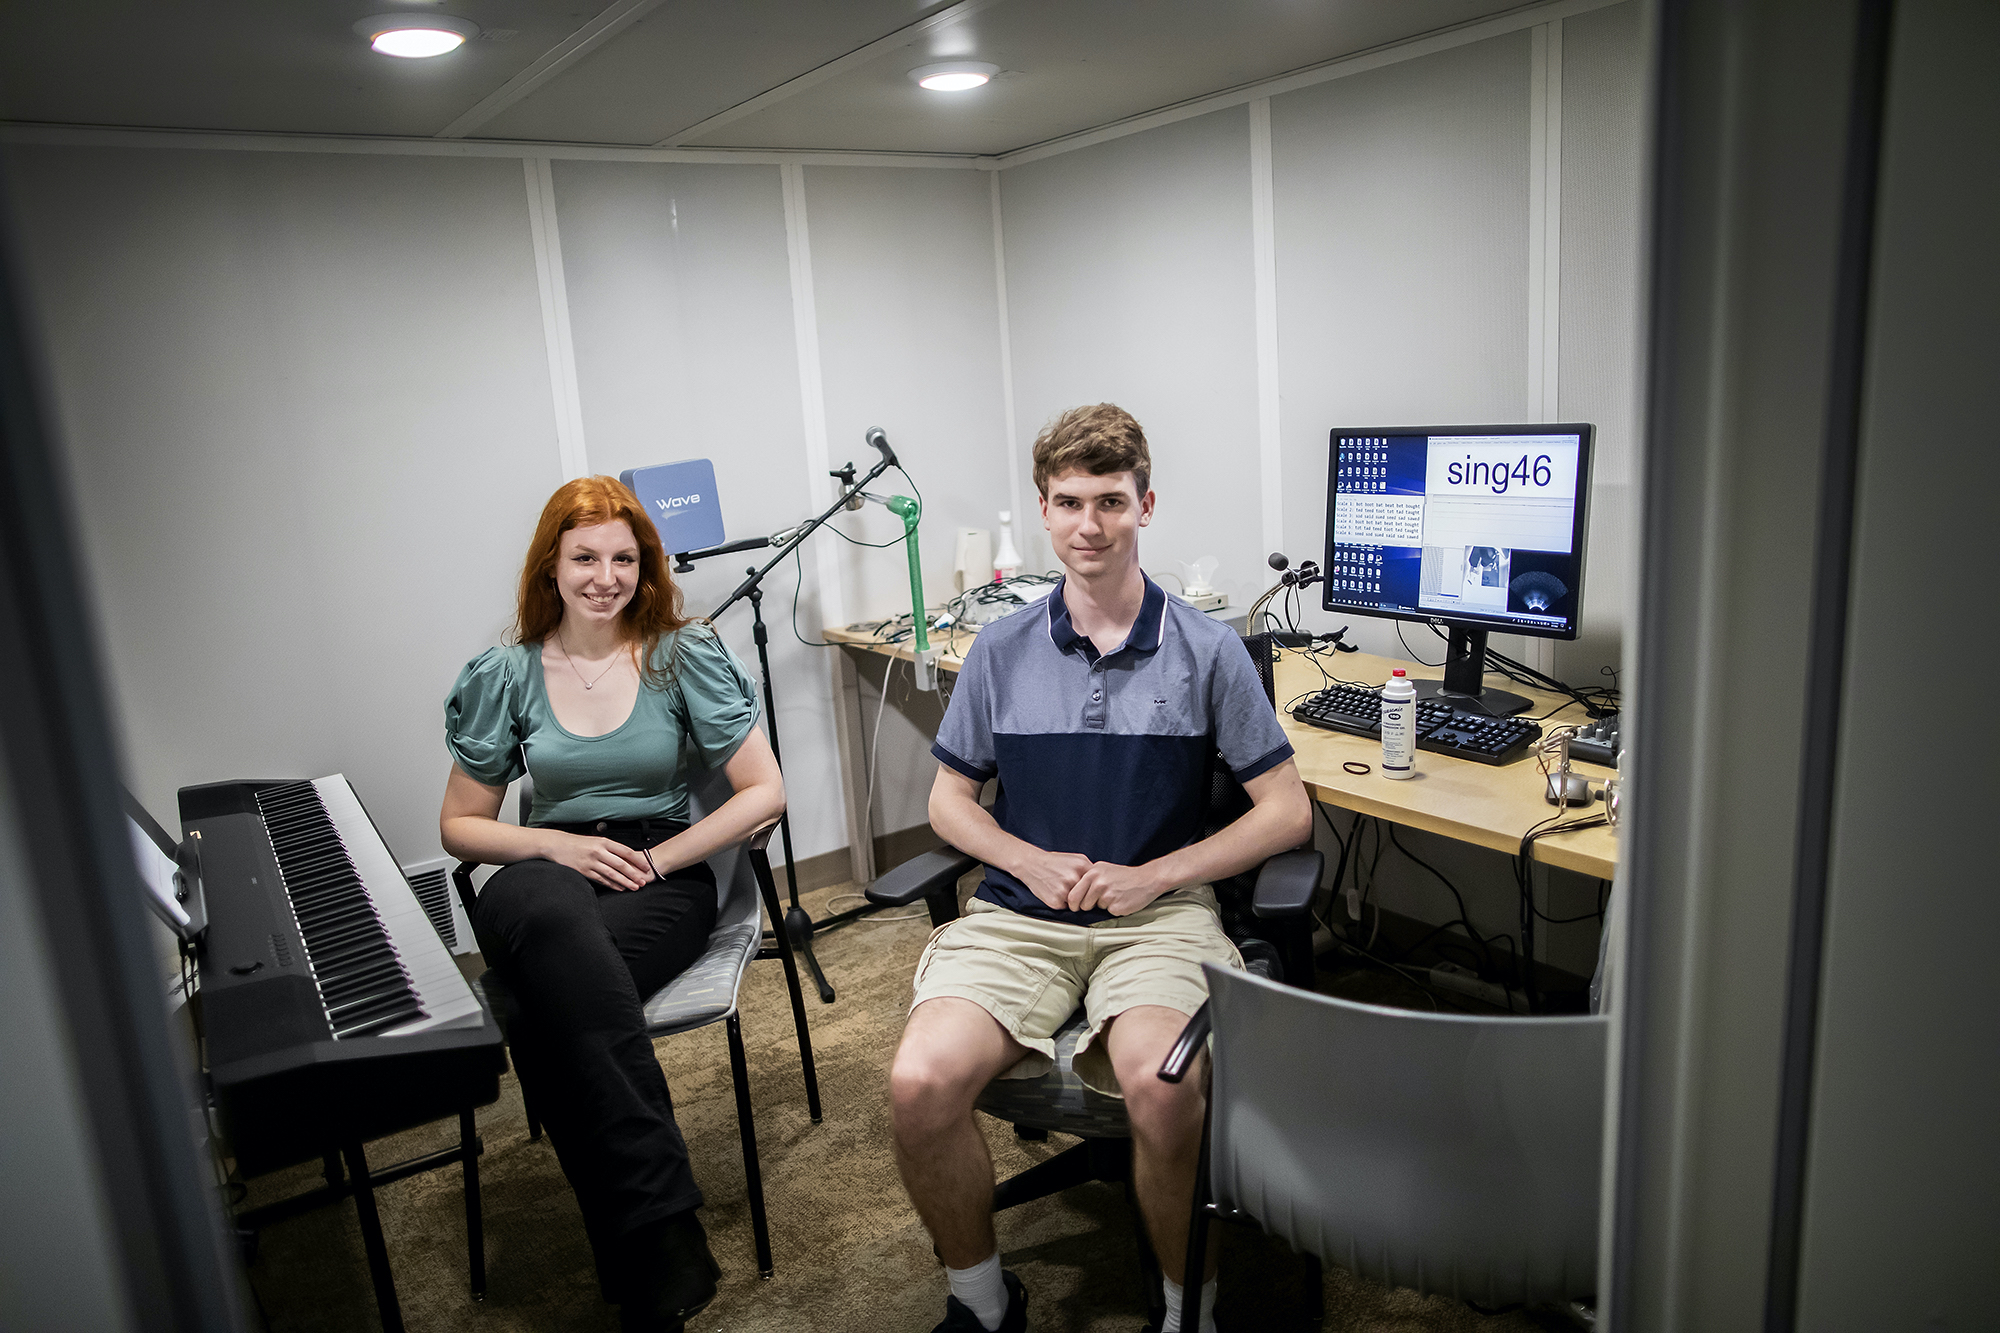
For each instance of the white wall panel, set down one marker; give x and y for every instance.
(1401, 205)
(908, 320)
(1603, 84)
(680, 305)
(1130, 280)
(308, 419)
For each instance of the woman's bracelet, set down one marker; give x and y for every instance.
(647, 852)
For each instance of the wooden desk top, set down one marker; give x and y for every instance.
(954, 641)
(1478, 803)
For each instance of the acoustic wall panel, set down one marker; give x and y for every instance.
(909, 333)
(1401, 218)
(680, 306)
(307, 411)
(1603, 155)
(1129, 279)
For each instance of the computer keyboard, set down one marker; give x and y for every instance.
(1441, 729)
(1597, 742)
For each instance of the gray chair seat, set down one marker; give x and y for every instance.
(1057, 1100)
(706, 992)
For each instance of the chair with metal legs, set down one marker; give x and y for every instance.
(1454, 1153)
(707, 991)
(1277, 897)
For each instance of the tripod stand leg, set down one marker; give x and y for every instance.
(798, 922)
(799, 930)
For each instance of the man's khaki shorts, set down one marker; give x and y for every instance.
(1029, 973)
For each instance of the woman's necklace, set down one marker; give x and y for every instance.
(587, 684)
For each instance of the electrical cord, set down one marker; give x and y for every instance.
(800, 564)
(1411, 651)
(1464, 917)
(875, 742)
(798, 561)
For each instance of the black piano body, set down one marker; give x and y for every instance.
(286, 1089)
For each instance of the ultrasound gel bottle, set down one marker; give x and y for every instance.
(1399, 726)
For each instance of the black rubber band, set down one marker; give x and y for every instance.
(1356, 767)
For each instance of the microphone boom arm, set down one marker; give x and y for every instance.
(756, 576)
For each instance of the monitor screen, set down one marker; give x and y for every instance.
(1480, 526)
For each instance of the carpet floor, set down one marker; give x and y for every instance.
(849, 1253)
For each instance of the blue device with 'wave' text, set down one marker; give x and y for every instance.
(680, 498)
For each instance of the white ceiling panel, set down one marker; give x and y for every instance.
(816, 74)
(293, 66)
(686, 60)
(1068, 67)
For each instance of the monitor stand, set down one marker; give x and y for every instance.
(1463, 685)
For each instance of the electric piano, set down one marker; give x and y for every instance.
(332, 1012)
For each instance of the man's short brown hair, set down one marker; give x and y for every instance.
(1098, 439)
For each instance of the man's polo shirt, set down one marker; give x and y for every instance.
(1108, 755)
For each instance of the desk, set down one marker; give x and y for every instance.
(1477, 803)
(848, 727)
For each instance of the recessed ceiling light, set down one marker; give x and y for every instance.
(953, 76)
(415, 36)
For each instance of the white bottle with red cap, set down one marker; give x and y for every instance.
(1399, 726)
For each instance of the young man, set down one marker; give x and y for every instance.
(1100, 712)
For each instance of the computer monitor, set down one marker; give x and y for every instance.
(1468, 528)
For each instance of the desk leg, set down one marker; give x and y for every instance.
(853, 765)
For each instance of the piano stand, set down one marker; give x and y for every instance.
(475, 1229)
(357, 1180)
(371, 1240)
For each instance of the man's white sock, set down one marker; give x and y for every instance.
(1173, 1291)
(980, 1290)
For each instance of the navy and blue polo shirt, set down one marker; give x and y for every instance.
(1107, 755)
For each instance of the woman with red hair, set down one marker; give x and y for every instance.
(605, 895)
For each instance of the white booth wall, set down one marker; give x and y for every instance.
(310, 412)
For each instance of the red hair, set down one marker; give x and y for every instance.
(655, 608)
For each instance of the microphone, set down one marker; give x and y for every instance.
(877, 440)
(1278, 561)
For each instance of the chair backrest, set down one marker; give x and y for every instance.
(736, 892)
(1445, 1152)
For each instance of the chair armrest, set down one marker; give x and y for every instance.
(461, 880)
(1287, 882)
(921, 877)
(760, 837)
(1188, 1045)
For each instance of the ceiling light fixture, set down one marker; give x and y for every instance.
(953, 76)
(416, 36)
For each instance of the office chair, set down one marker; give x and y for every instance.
(1278, 895)
(1453, 1153)
(707, 992)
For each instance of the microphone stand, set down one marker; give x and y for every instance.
(798, 923)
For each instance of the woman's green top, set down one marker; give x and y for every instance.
(498, 724)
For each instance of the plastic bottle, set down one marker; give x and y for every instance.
(1007, 560)
(1399, 726)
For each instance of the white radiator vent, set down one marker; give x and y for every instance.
(431, 882)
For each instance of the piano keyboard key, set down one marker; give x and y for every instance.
(347, 945)
(443, 991)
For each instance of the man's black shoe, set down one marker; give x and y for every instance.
(671, 1275)
(958, 1319)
